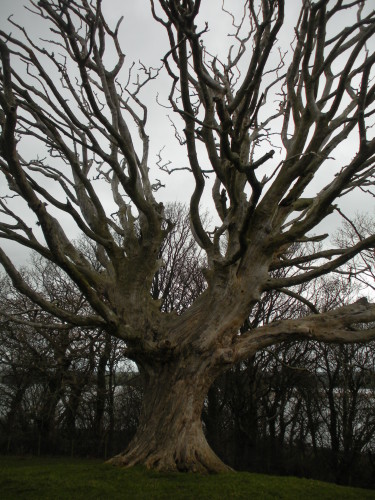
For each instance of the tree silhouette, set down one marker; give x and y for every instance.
(66, 95)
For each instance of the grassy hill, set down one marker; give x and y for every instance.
(63, 478)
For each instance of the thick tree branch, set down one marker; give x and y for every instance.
(342, 325)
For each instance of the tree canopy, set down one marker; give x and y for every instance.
(258, 125)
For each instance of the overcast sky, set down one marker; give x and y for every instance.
(143, 39)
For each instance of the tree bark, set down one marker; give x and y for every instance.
(170, 435)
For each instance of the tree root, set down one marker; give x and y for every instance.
(165, 461)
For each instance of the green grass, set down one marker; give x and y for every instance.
(62, 478)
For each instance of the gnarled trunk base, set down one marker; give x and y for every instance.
(190, 454)
(170, 435)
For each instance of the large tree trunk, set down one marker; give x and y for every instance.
(170, 435)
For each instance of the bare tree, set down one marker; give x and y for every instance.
(57, 385)
(345, 394)
(361, 268)
(65, 95)
(40, 359)
(179, 280)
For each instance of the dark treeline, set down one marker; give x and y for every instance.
(299, 410)
(306, 410)
(303, 408)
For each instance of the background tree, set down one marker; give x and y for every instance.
(179, 280)
(57, 384)
(69, 97)
(40, 359)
